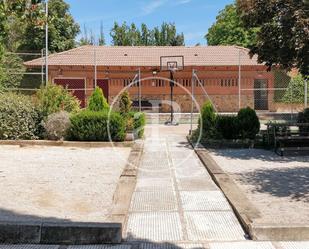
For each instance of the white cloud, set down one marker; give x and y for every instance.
(183, 2)
(153, 6)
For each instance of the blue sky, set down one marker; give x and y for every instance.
(192, 17)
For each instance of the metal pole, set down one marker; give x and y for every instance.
(46, 41)
(239, 80)
(139, 90)
(192, 104)
(306, 93)
(42, 67)
(95, 67)
(172, 86)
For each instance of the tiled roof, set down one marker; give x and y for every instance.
(148, 56)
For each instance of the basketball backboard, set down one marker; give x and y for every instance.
(172, 63)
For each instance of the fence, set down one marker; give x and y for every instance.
(229, 88)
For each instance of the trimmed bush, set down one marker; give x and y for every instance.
(303, 118)
(249, 124)
(97, 101)
(227, 127)
(139, 122)
(125, 103)
(208, 121)
(92, 126)
(57, 126)
(19, 118)
(54, 98)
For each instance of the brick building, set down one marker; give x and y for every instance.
(115, 68)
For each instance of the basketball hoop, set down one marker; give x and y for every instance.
(172, 63)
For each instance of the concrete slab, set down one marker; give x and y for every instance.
(204, 201)
(148, 185)
(196, 184)
(155, 226)
(242, 245)
(153, 201)
(213, 226)
(171, 246)
(294, 245)
(100, 247)
(29, 246)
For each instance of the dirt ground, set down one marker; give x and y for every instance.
(58, 184)
(277, 186)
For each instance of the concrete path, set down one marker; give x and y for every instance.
(175, 199)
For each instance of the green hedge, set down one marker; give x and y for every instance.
(93, 126)
(19, 118)
(139, 122)
(228, 127)
(248, 123)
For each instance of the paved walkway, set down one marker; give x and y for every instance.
(175, 198)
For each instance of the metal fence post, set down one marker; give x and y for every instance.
(139, 91)
(192, 100)
(306, 93)
(46, 41)
(95, 67)
(239, 80)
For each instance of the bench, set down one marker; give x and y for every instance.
(288, 136)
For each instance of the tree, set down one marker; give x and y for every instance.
(62, 28)
(166, 35)
(97, 101)
(229, 30)
(125, 104)
(283, 37)
(295, 92)
(102, 37)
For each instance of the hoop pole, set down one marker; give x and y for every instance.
(139, 90)
(192, 100)
(172, 86)
(46, 41)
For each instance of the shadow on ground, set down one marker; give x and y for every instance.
(263, 155)
(280, 182)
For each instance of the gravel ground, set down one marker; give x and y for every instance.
(277, 186)
(58, 184)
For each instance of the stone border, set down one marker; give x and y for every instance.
(126, 185)
(60, 233)
(245, 210)
(24, 143)
(76, 232)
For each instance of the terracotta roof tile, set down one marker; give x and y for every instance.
(149, 56)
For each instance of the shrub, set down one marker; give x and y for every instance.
(92, 126)
(249, 124)
(54, 98)
(97, 101)
(19, 118)
(125, 103)
(139, 122)
(303, 117)
(227, 127)
(208, 121)
(295, 92)
(57, 126)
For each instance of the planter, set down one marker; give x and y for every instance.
(130, 136)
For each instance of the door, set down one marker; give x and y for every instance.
(260, 94)
(75, 86)
(103, 84)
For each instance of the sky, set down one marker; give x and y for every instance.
(192, 17)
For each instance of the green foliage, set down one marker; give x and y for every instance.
(208, 120)
(54, 98)
(57, 126)
(93, 126)
(303, 118)
(97, 101)
(283, 31)
(281, 80)
(10, 63)
(19, 118)
(248, 123)
(295, 92)
(139, 122)
(22, 25)
(228, 127)
(229, 30)
(125, 103)
(166, 35)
